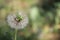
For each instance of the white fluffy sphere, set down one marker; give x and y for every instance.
(17, 25)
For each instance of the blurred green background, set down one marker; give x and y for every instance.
(36, 29)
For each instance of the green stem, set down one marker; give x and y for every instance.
(15, 34)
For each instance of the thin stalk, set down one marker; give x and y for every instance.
(15, 34)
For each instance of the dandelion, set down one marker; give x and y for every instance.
(17, 21)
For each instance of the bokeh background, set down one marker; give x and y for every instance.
(43, 25)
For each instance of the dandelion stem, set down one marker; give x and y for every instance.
(15, 34)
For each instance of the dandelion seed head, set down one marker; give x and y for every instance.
(15, 23)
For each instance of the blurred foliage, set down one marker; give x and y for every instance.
(38, 21)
